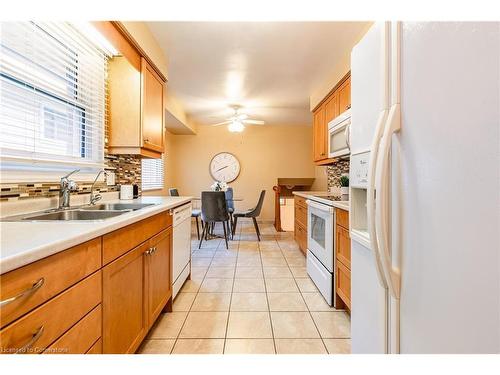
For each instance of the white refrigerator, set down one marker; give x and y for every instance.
(425, 188)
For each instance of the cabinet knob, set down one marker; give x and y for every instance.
(146, 139)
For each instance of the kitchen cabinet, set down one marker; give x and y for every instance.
(300, 232)
(136, 109)
(338, 101)
(342, 292)
(101, 296)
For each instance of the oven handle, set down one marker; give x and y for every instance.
(319, 206)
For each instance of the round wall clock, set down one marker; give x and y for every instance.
(224, 167)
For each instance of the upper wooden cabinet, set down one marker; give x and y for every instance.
(136, 109)
(338, 101)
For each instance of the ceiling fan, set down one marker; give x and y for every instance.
(237, 122)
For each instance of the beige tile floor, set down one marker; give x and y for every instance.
(254, 298)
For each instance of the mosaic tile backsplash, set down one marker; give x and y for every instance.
(334, 172)
(127, 169)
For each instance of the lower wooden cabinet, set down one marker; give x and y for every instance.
(343, 283)
(140, 284)
(300, 228)
(343, 259)
(124, 302)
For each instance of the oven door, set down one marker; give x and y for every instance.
(320, 235)
(338, 137)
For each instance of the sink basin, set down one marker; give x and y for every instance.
(74, 215)
(117, 206)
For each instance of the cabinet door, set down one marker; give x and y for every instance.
(344, 93)
(343, 246)
(124, 302)
(159, 264)
(319, 134)
(343, 284)
(152, 108)
(331, 109)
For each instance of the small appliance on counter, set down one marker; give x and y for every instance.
(126, 192)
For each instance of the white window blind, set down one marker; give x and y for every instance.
(152, 174)
(52, 95)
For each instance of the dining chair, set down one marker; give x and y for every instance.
(213, 210)
(253, 213)
(194, 213)
(230, 205)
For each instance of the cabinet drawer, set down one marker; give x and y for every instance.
(343, 246)
(96, 348)
(46, 278)
(41, 327)
(301, 215)
(120, 241)
(300, 201)
(342, 218)
(81, 337)
(343, 284)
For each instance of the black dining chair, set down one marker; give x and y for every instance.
(230, 206)
(213, 210)
(194, 213)
(253, 213)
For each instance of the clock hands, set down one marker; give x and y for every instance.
(220, 169)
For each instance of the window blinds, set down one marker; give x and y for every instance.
(52, 95)
(152, 174)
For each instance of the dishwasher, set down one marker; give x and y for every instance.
(181, 246)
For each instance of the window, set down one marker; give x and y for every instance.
(152, 174)
(52, 96)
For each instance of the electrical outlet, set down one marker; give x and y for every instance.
(110, 179)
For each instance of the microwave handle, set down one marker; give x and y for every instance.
(347, 134)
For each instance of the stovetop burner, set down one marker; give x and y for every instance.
(333, 197)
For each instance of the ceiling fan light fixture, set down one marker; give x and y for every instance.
(236, 126)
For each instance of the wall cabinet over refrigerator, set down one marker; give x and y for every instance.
(136, 109)
(336, 103)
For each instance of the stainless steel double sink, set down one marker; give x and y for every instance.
(90, 212)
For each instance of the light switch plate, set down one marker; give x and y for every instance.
(110, 179)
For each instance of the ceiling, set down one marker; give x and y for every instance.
(270, 68)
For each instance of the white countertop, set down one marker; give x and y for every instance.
(316, 196)
(22, 243)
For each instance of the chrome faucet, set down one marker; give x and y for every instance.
(95, 197)
(65, 188)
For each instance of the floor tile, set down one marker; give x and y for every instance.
(249, 302)
(204, 325)
(156, 346)
(281, 285)
(296, 261)
(248, 273)
(226, 254)
(191, 286)
(249, 346)
(300, 346)
(274, 262)
(306, 285)
(198, 272)
(249, 325)
(224, 262)
(249, 285)
(215, 285)
(332, 324)
(220, 272)
(271, 254)
(338, 346)
(199, 346)
(211, 302)
(201, 262)
(286, 302)
(316, 302)
(277, 272)
(183, 301)
(253, 261)
(293, 325)
(168, 325)
(203, 254)
(298, 272)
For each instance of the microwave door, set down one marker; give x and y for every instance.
(337, 142)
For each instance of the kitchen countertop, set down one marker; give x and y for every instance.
(22, 243)
(313, 195)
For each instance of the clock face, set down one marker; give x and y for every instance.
(224, 167)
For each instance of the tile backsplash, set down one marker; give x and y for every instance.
(334, 172)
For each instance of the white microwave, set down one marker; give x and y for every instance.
(338, 135)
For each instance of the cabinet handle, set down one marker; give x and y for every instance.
(347, 107)
(29, 344)
(26, 292)
(149, 251)
(146, 140)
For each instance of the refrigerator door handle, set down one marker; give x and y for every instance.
(372, 172)
(392, 275)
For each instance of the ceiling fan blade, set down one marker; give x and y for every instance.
(254, 122)
(222, 123)
(242, 116)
